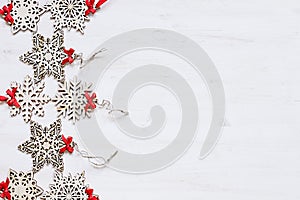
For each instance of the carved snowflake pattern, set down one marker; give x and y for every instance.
(23, 186)
(70, 100)
(26, 15)
(46, 57)
(30, 98)
(44, 146)
(68, 14)
(67, 188)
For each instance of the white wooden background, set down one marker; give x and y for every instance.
(255, 45)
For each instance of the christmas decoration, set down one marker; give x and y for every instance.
(6, 13)
(74, 99)
(91, 101)
(70, 58)
(90, 194)
(90, 5)
(25, 15)
(4, 192)
(22, 186)
(68, 188)
(12, 101)
(45, 146)
(69, 145)
(68, 14)
(29, 97)
(46, 57)
(99, 4)
(71, 100)
(3, 98)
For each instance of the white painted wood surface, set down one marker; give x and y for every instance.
(255, 46)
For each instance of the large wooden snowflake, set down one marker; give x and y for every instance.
(70, 100)
(67, 188)
(68, 14)
(44, 146)
(30, 98)
(26, 15)
(46, 57)
(23, 186)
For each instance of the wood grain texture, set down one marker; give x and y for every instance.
(255, 46)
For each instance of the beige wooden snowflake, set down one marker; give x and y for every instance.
(30, 98)
(26, 15)
(71, 101)
(46, 57)
(44, 146)
(67, 188)
(23, 186)
(68, 14)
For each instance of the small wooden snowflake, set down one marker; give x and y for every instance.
(23, 186)
(44, 146)
(68, 14)
(26, 15)
(71, 100)
(46, 57)
(69, 188)
(30, 98)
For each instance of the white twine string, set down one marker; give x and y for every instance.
(96, 161)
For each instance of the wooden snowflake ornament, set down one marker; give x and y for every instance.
(22, 15)
(68, 14)
(46, 146)
(69, 188)
(72, 14)
(73, 99)
(30, 99)
(20, 186)
(46, 57)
